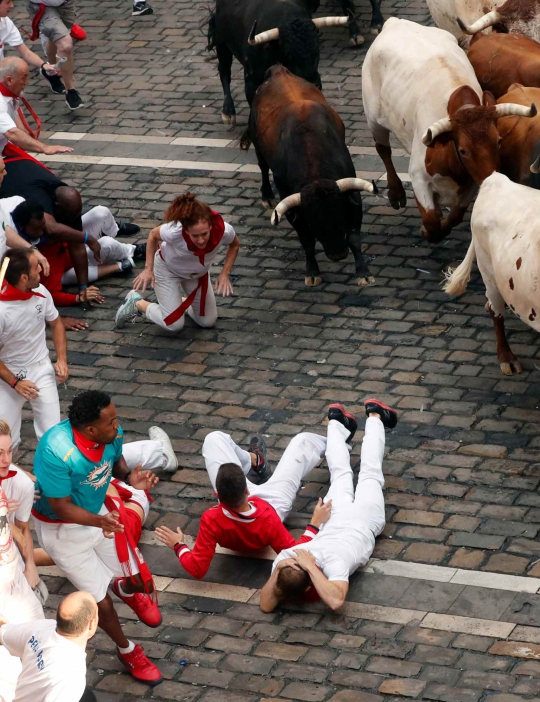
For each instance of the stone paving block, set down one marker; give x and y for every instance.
(404, 687)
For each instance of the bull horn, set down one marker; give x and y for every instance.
(345, 184)
(320, 22)
(269, 35)
(284, 206)
(511, 108)
(442, 125)
(483, 23)
(535, 166)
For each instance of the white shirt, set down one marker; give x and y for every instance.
(9, 554)
(21, 488)
(53, 3)
(8, 110)
(53, 667)
(9, 34)
(22, 330)
(339, 548)
(179, 259)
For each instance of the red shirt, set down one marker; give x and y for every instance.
(237, 531)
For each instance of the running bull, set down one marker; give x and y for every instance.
(301, 139)
(418, 84)
(260, 34)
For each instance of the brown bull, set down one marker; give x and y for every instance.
(499, 60)
(520, 139)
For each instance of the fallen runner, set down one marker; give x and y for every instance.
(321, 568)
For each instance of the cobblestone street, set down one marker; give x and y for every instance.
(448, 610)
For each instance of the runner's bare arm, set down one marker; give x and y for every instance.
(27, 552)
(60, 345)
(14, 241)
(66, 511)
(31, 58)
(25, 388)
(223, 284)
(20, 137)
(332, 593)
(146, 277)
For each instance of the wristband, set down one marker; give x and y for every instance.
(126, 478)
(312, 526)
(83, 287)
(85, 237)
(14, 382)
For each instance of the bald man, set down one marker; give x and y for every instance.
(53, 653)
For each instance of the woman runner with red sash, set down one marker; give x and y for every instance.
(179, 254)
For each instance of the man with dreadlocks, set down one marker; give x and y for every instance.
(179, 254)
(87, 532)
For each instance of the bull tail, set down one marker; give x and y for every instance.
(245, 141)
(210, 23)
(457, 279)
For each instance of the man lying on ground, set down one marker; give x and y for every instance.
(323, 566)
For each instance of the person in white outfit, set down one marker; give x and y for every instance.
(52, 652)
(322, 567)
(26, 371)
(178, 258)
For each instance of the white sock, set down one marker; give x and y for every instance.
(123, 592)
(119, 264)
(129, 649)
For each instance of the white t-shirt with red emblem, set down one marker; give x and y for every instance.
(180, 260)
(9, 35)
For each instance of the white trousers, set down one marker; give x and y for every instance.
(86, 558)
(18, 605)
(170, 289)
(302, 454)
(100, 223)
(366, 504)
(46, 407)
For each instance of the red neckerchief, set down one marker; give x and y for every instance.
(89, 449)
(6, 92)
(216, 234)
(11, 474)
(8, 293)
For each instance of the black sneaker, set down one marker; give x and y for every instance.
(141, 8)
(258, 447)
(388, 415)
(140, 252)
(338, 413)
(74, 100)
(128, 229)
(56, 83)
(127, 264)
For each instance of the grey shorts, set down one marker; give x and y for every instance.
(56, 21)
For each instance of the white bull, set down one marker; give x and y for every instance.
(506, 244)
(516, 16)
(418, 84)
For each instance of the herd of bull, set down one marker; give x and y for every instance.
(463, 109)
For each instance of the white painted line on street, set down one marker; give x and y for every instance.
(214, 590)
(496, 581)
(468, 625)
(405, 569)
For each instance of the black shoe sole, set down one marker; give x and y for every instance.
(347, 417)
(388, 415)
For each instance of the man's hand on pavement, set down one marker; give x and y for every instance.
(49, 150)
(72, 324)
(168, 536)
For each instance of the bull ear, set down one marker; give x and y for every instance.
(488, 99)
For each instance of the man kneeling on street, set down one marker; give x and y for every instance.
(322, 567)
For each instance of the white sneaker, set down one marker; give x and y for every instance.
(171, 462)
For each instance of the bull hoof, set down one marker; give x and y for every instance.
(511, 366)
(358, 40)
(313, 281)
(268, 204)
(228, 119)
(397, 200)
(365, 282)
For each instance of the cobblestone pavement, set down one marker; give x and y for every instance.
(462, 467)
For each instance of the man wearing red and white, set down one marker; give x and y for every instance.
(26, 371)
(52, 652)
(249, 517)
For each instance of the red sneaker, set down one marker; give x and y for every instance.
(143, 605)
(388, 415)
(141, 667)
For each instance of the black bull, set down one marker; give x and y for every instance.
(301, 139)
(297, 48)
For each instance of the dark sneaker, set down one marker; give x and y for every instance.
(56, 83)
(339, 413)
(140, 252)
(258, 447)
(388, 415)
(128, 229)
(141, 8)
(73, 100)
(127, 264)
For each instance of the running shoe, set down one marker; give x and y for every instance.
(73, 100)
(140, 666)
(127, 229)
(143, 605)
(171, 462)
(128, 312)
(140, 252)
(257, 446)
(127, 264)
(388, 415)
(56, 83)
(141, 8)
(339, 413)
